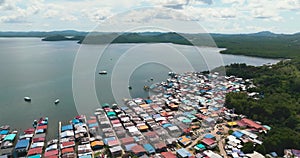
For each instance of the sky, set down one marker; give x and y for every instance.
(214, 16)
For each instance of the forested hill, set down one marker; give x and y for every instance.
(278, 104)
(262, 44)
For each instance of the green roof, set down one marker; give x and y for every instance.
(10, 137)
(105, 105)
(111, 113)
(186, 121)
(200, 146)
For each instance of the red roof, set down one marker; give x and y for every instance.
(168, 154)
(67, 150)
(51, 153)
(127, 140)
(160, 145)
(151, 134)
(137, 149)
(115, 121)
(241, 123)
(71, 143)
(92, 121)
(35, 151)
(42, 127)
(29, 131)
(208, 141)
(252, 123)
(41, 139)
(53, 156)
(112, 143)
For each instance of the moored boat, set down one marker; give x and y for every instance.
(102, 72)
(28, 99)
(56, 101)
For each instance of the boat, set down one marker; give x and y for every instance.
(102, 72)
(28, 99)
(56, 101)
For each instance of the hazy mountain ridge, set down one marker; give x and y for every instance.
(260, 44)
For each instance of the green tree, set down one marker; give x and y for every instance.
(248, 147)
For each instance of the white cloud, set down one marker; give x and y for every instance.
(288, 4)
(68, 18)
(221, 15)
(97, 14)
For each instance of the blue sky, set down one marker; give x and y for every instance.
(218, 16)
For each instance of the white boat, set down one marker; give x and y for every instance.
(28, 99)
(102, 72)
(56, 101)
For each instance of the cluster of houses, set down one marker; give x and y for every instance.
(161, 123)
(7, 140)
(185, 119)
(80, 138)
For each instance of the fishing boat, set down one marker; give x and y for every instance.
(102, 72)
(56, 101)
(28, 99)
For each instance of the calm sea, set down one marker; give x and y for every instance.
(43, 71)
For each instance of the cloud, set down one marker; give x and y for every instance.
(288, 4)
(90, 12)
(205, 1)
(97, 14)
(68, 18)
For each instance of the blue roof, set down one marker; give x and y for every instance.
(4, 132)
(183, 152)
(93, 125)
(75, 121)
(129, 146)
(156, 116)
(167, 125)
(209, 136)
(148, 101)
(35, 156)
(66, 127)
(274, 154)
(237, 134)
(22, 143)
(108, 139)
(149, 148)
(124, 108)
(86, 156)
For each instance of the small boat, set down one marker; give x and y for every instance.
(102, 72)
(28, 99)
(146, 88)
(129, 87)
(56, 101)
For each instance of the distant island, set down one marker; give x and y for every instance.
(261, 44)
